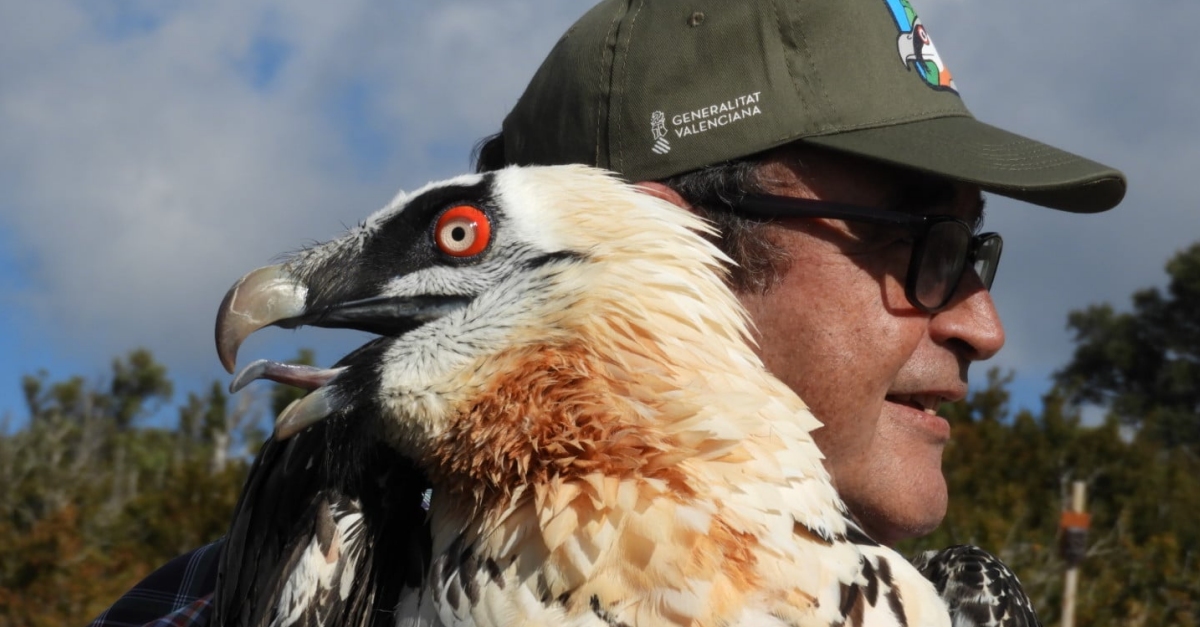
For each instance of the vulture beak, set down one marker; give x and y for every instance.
(275, 296)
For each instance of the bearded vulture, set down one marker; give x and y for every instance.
(559, 359)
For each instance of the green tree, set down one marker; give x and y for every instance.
(1009, 474)
(91, 501)
(1144, 365)
(139, 384)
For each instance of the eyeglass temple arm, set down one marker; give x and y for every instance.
(767, 206)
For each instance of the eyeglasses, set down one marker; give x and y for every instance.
(942, 245)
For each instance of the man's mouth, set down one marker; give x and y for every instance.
(928, 403)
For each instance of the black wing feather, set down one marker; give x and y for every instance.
(979, 589)
(297, 492)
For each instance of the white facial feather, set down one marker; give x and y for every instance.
(513, 296)
(416, 370)
(464, 280)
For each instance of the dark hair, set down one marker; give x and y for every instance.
(712, 192)
(488, 153)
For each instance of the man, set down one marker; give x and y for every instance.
(868, 291)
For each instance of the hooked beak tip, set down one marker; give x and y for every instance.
(261, 298)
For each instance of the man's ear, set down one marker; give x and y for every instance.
(658, 190)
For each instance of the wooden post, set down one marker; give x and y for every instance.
(1074, 527)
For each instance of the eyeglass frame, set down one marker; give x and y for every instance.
(770, 206)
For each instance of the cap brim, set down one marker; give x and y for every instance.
(1004, 163)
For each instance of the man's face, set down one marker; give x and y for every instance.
(838, 329)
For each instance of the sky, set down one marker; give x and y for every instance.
(153, 151)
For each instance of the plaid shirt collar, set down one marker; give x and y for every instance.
(178, 594)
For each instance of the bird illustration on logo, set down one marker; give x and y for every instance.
(916, 47)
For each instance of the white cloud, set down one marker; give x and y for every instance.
(144, 170)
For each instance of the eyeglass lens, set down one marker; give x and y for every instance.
(987, 258)
(942, 260)
(941, 263)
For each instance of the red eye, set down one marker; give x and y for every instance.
(463, 231)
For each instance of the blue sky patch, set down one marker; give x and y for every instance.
(351, 110)
(119, 20)
(268, 53)
(265, 59)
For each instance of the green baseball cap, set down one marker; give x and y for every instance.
(654, 88)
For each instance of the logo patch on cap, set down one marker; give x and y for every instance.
(701, 120)
(916, 48)
(658, 130)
